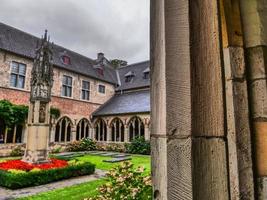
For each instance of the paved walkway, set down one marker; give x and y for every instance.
(6, 194)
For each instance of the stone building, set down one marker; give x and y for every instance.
(81, 86)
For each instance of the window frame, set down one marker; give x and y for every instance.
(146, 75)
(67, 86)
(86, 90)
(98, 89)
(66, 60)
(18, 75)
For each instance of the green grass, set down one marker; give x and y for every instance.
(137, 160)
(85, 190)
(76, 192)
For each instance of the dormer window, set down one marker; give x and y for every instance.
(146, 73)
(100, 71)
(66, 60)
(129, 76)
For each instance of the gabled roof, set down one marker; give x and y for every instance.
(127, 103)
(24, 44)
(138, 81)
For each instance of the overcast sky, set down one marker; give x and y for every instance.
(118, 28)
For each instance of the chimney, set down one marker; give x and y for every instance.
(100, 56)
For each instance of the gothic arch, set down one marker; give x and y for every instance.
(117, 130)
(136, 127)
(83, 129)
(63, 129)
(100, 130)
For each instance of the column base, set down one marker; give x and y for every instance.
(36, 157)
(262, 188)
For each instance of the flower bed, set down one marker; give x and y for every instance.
(20, 165)
(18, 174)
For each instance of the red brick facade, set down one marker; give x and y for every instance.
(73, 108)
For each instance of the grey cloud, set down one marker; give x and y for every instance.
(119, 28)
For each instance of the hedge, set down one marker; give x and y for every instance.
(34, 178)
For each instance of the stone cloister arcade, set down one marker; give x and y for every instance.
(102, 129)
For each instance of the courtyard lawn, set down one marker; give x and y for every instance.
(137, 160)
(76, 192)
(89, 189)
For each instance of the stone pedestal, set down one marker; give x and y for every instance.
(38, 133)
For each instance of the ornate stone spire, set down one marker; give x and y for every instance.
(39, 110)
(42, 72)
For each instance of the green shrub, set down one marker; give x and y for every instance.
(12, 114)
(55, 112)
(116, 147)
(39, 177)
(74, 146)
(17, 151)
(86, 144)
(138, 146)
(56, 150)
(125, 182)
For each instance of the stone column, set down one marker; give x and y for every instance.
(73, 133)
(91, 132)
(254, 20)
(147, 132)
(24, 134)
(126, 134)
(238, 126)
(189, 151)
(52, 133)
(109, 134)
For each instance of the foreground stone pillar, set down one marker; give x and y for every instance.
(39, 109)
(189, 151)
(254, 18)
(237, 105)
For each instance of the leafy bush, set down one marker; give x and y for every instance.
(17, 151)
(12, 114)
(86, 144)
(74, 146)
(138, 146)
(125, 182)
(56, 150)
(15, 179)
(116, 147)
(54, 112)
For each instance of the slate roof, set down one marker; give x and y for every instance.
(138, 81)
(127, 103)
(24, 44)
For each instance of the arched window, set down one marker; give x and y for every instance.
(117, 130)
(82, 130)
(101, 130)
(136, 128)
(63, 130)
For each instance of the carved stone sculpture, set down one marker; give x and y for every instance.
(39, 117)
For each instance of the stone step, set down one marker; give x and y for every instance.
(109, 154)
(114, 160)
(120, 155)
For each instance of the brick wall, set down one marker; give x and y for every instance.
(73, 106)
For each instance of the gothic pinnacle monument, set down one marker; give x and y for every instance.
(39, 110)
